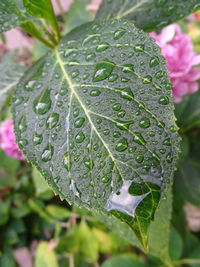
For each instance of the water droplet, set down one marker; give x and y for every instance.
(159, 74)
(37, 139)
(116, 107)
(89, 163)
(80, 137)
(43, 103)
(147, 79)
(79, 122)
(122, 145)
(102, 47)
(67, 161)
(52, 120)
(123, 125)
(30, 85)
(18, 100)
(119, 33)
(22, 143)
(105, 179)
(106, 132)
(154, 61)
(75, 73)
(139, 48)
(128, 68)
(167, 142)
(163, 100)
(121, 114)
(95, 92)
(103, 70)
(139, 158)
(116, 134)
(127, 94)
(144, 123)
(113, 77)
(138, 138)
(47, 153)
(90, 56)
(22, 124)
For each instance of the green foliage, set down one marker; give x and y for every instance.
(124, 260)
(77, 15)
(10, 73)
(160, 12)
(113, 121)
(45, 256)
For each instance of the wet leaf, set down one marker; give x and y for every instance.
(98, 121)
(160, 12)
(10, 73)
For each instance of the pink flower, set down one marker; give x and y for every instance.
(181, 60)
(7, 140)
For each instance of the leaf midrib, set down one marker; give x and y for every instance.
(60, 62)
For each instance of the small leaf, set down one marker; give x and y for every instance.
(175, 245)
(124, 260)
(58, 212)
(41, 185)
(188, 112)
(42, 9)
(77, 14)
(10, 73)
(148, 15)
(45, 256)
(101, 126)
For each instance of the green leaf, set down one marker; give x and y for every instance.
(175, 245)
(10, 15)
(159, 232)
(187, 181)
(42, 9)
(88, 243)
(41, 185)
(45, 256)
(58, 212)
(188, 112)
(77, 14)
(124, 260)
(148, 15)
(99, 121)
(10, 73)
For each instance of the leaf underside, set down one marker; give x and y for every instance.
(96, 117)
(148, 15)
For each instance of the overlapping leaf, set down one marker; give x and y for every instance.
(10, 73)
(148, 14)
(96, 117)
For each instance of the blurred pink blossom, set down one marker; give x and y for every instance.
(181, 60)
(7, 140)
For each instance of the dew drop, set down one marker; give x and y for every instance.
(67, 161)
(37, 139)
(163, 100)
(95, 92)
(89, 163)
(102, 47)
(103, 70)
(122, 145)
(43, 103)
(139, 48)
(22, 124)
(30, 85)
(154, 61)
(79, 122)
(127, 94)
(144, 123)
(119, 33)
(52, 120)
(47, 153)
(80, 137)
